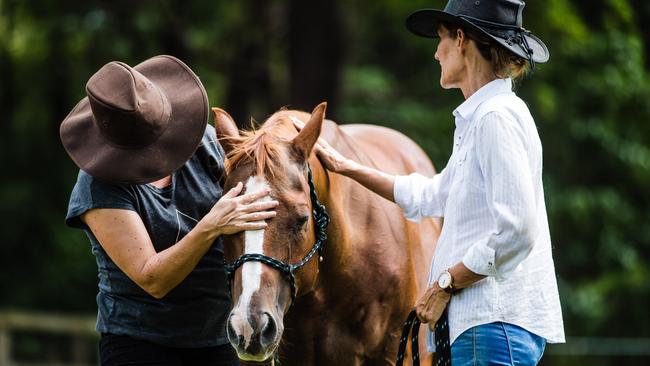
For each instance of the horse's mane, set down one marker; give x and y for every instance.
(262, 147)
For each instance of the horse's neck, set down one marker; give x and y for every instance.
(335, 190)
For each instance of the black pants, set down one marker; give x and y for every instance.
(119, 350)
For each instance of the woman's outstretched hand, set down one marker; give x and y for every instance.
(234, 213)
(373, 179)
(329, 156)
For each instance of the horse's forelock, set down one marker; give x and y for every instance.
(264, 148)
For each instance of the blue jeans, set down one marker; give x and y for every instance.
(497, 344)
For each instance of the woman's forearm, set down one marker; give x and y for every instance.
(373, 179)
(463, 276)
(163, 271)
(126, 240)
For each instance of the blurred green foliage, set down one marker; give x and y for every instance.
(590, 103)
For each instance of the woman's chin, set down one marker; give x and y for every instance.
(446, 85)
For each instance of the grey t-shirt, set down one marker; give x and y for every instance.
(194, 313)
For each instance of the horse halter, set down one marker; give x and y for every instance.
(321, 220)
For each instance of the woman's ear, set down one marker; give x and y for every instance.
(460, 37)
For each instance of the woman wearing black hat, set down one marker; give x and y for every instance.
(148, 197)
(493, 297)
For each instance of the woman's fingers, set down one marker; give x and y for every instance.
(253, 225)
(259, 206)
(331, 158)
(234, 191)
(321, 141)
(322, 145)
(325, 148)
(252, 197)
(258, 216)
(298, 123)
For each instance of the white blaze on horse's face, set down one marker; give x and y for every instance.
(254, 243)
(251, 279)
(252, 271)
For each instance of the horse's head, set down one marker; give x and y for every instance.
(275, 156)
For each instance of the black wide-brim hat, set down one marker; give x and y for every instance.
(137, 125)
(500, 20)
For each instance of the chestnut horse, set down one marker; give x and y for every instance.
(350, 305)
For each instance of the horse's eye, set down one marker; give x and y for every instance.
(300, 222)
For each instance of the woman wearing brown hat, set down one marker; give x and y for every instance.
(148, 197)
(493, 298)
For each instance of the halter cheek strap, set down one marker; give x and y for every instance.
(321, 220)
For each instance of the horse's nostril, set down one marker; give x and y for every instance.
(235, 340)
(269, 332)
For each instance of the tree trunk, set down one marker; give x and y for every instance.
(315, 53)
(6, 69)
(249, 80)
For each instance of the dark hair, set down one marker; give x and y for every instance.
(504, 63)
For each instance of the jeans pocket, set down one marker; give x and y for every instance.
(526, 348)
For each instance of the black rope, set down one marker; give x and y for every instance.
(284, 268)
(411, 325)
(321, 220)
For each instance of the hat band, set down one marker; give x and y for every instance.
(511, 34)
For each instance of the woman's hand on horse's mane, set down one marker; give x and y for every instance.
(329, 156)
(373, 179)
(234, 213)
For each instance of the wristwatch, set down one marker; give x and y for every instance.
(446, 282)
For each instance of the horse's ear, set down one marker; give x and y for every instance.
(226, 128)
(306, 139)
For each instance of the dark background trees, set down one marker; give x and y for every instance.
(254, 57)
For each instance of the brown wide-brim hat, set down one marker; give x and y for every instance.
(500, 20)
(137, 125)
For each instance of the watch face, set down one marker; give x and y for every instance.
(444, 280)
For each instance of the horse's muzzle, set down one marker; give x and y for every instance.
(254, 336)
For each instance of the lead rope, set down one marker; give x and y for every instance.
(411, 325)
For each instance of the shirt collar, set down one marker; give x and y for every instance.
(466, 110)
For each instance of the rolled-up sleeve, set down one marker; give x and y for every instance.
(420, 196)
(503, 160)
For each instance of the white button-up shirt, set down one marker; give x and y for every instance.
(492, 199)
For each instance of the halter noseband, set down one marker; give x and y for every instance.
(321, 220)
